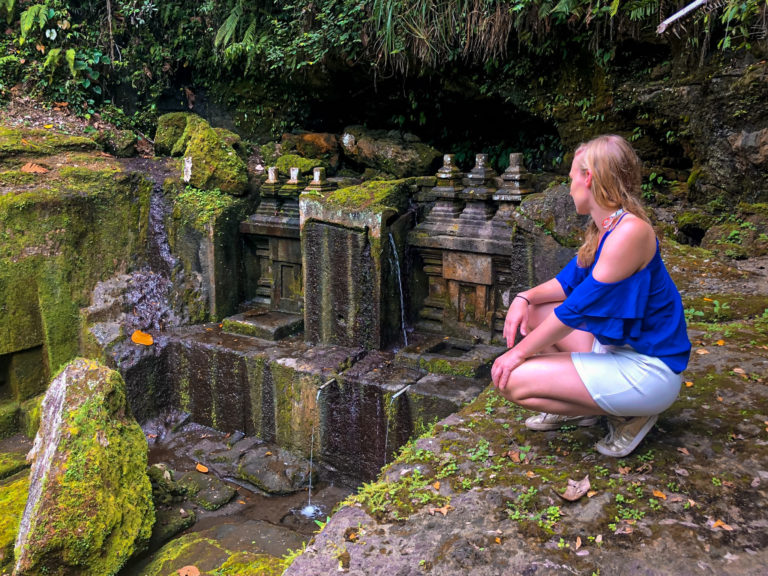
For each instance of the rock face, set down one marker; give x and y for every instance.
(88, 479)
(213, 161)
(389, 151)
(275, 470)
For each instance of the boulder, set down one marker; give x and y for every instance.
(552, 210)
(322, 145)
(211, 158)
(389, 151)
(274, 470)
(88, 479)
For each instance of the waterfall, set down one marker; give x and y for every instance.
(400, 286)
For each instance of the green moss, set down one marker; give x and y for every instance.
(201, 208)
(16, 142)
(16, 179)
(305, 165)
(11, 463)
(372, 196)
(453, 367)
(13, 498)
(9, 418)
(189, 549)
(30, 416)
(170, 127)
(250, 564)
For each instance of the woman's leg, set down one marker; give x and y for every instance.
(550, 383)
(576, 341)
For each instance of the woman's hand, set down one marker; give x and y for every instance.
(504, 366)
(517, 318)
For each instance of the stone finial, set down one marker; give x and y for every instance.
(448, 178)
(272, 175)
(480, 178)
(448, 170)
(319, 181)
(294, 179)
(514, 180)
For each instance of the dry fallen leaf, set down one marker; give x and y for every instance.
(268, 453)
(498, 540)
(659, 494)
(436, 485)
(575, 490)
(444, 510)
(598, 539)
(32, 168)
(707, 299)
(691, 503)
(739, 370)
(200, 468)
(514, 455)
(720, 342)
(139, 337)
(721, 524)
(624, 529)
(578, 543)
(684, 450)
(591, 493)
(689, 384)
(188, 571)
(625, 469)
(702, 351)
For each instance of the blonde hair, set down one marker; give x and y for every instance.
(616, 180)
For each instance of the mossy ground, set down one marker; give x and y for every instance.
(13, 498)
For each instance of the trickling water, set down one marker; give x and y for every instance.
(310, 510)
(47, 437)
(391, 402)
(400, 287)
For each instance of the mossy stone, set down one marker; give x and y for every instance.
(94, 489)
(215, 164)
(9, 418)
(170, 127)
(13, 499)
(373, 196)
(29, 417)
(25, 141)
(305, 165)
(11, 463)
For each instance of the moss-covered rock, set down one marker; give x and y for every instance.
(60, 234)
(215, 163)
(11, 463)
(305, 165)
(13, 498)
(121, 143)
(92, 506)
(9, 418)
(389, 151)
(374, 196)
(19, 142)
(211, 558)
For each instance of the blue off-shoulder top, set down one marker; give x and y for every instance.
(644, 311)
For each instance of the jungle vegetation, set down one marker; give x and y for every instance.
(88, 52)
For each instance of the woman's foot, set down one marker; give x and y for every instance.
(625, 434)
(544, 421)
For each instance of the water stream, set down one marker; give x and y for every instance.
(400, 287)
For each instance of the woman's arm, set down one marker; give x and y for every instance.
(517, 314)
(629, 248)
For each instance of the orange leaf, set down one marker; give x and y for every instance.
(707, 299)
(719, 398)
(689, 384)
(659, 494)
(444, 510)
(625, 469)
(139, 337)
(32, 168)
(40, 48)
(591, 493)
(514, 455)
(200, 468)
(721, 524)
(241, 501)
(498, 540)
(720, 342)
(684, 450)
(188, 571)
(268, 453)
(436, 485)
(575, 489)
(578, 542)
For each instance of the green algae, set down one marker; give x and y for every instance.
(250, 564)
(13, 498)
(9, 418)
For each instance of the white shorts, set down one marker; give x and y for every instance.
(626, 383)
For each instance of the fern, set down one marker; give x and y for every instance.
(37, 13)
(9, 5)
(52, 62)
(228, 29)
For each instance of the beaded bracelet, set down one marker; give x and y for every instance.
(523, 297)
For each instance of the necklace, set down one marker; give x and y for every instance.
(608, 222)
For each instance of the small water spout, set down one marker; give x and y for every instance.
(386, 433)
(310, 510)
(400, 287)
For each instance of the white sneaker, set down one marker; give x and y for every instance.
(546, 421)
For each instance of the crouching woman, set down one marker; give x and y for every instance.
(607, 335)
